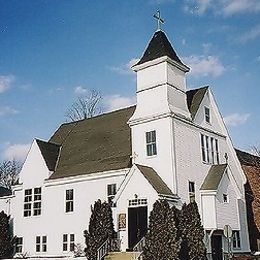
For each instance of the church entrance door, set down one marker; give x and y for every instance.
(137, 225)
(216, 244)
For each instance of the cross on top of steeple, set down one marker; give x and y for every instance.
(160, 21)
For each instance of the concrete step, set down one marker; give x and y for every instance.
(122, 256)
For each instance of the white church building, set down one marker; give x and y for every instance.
(172, 145)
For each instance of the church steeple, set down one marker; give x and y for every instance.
(158, 47)
(161, 81)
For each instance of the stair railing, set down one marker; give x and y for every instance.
(103, 250)
(138, 249)
(111, 244)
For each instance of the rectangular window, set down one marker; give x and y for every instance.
(203, 148)
(19, 245)
(41, 243)
(65, 242)
(27, 208)
(216, 151)
(207, 114)
(209, 149)
(137, 202)
(151, 143)
(69, 200)
(44, 244)
(192, 191)
(225, 198)
(68, 242)
(72, 242)
(37, 204)
(111, 192)
(32, 202)
(212, 154)
(236, 239)
(38, 244)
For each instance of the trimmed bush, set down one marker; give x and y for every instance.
(101, 228)
(162, 240)
(6, 247)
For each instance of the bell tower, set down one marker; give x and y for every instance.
(161, 82)
(161, 97)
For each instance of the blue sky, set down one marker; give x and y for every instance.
(53, 50)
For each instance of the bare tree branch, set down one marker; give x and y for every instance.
(256, 150)
(9, 171)
(256, 156)
(85, 106)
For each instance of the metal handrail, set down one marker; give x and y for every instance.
(138, 249)
(139, 246)
(111, 244)
(103, 250)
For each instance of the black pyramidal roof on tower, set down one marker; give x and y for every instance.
(159, 46)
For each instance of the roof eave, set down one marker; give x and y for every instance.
(172, 197)
(147, 64)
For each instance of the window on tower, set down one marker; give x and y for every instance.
(151, 148)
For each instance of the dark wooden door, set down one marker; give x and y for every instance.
(216, 244)
(137, 225)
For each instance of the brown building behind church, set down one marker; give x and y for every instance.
(251, 167)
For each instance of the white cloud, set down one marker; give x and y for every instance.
(202, 65)
(258, 58)
(240, 6)
(197, 6)
(6, 110)
(5, 82)
(125, 68)
(117, 101)
(250, 35)
(203, 5)
(79, 90)
(222, 7)
(236, 119)
(16, 151)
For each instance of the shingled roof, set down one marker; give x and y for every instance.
(155, 180)
(248, 159)
(194, 98)
(159, 46)
(214, 176)
(97, 144)
(93, 145)
(50, 153)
